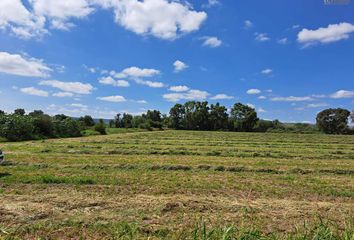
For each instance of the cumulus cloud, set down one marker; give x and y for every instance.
(15, 17)
(329, 34)
(267, 71)
(261, 110)
(248, 24)
(34, 91)
(151, 84)
(221, 96)
(342, 94)
(60, 12)
(179, 88)
(73, 87)
(261, 37)
(211, 3)
(63, 94)
(212, 42)
(115, 99)
(179, 66)
(113, 82)
(283, 41)
(189, 95)
(23, 66)
(253, 91)
(136, 72)
(160, 18)
(291, 99)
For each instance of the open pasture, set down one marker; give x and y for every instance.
(160, 184)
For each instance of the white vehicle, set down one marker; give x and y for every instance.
(2, 157)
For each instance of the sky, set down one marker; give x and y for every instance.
(287, 59)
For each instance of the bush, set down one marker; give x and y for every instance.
(101, 128)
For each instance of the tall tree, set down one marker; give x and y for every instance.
(333, 121)
(20, 112)
(218, 117)
(177, 114)
(87, 121)
(243, 117)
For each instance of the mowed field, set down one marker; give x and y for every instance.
(178, 185)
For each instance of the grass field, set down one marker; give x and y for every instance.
(179, 185)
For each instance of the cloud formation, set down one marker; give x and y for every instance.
(329, 34)
(34, 92)
(179, 66)
(73, 87)
(189, 95)
(16, 64)
(212, 42)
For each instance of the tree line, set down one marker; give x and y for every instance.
(192, 115)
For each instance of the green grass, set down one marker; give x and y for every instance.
(135, 184)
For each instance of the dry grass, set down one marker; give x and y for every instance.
(162, 183)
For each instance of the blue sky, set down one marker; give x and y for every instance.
(288, 59)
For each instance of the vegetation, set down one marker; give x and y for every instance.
(190, 116)
(138, 184)
(333, 121)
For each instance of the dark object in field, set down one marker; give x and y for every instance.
(5, 174)
(2, 157)
(172, 168)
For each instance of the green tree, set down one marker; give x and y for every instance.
(127, 120)
(243, 117)
(2, 112)
(20, 111)
(218, 117)
(118, 121)
(43, 124)
(87, 121)
(101, 127)
(333, 121)
(177, 116)
(17, 127)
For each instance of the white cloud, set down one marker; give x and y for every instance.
(190, 95)
(111, 81)
(142, 101)
(73, 87)
(291, 99)
(261, 37)
(34, 91)
(116, 99)
(150, 83)
(63, 94)
(261, 110)
(251, 105)
(179, 66)
(15, 17)
(179, 88)
(267, 71)
(248, 24)
(253, 91)
(136, 72)
(221, 97)
(262, 97)
(283, 41)
(316, 105)
(23, 66)
(60, 12)
(332, 33)
(211, 3)
(212, 42)
(342, 94)
(78, 105)
(160, 18)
